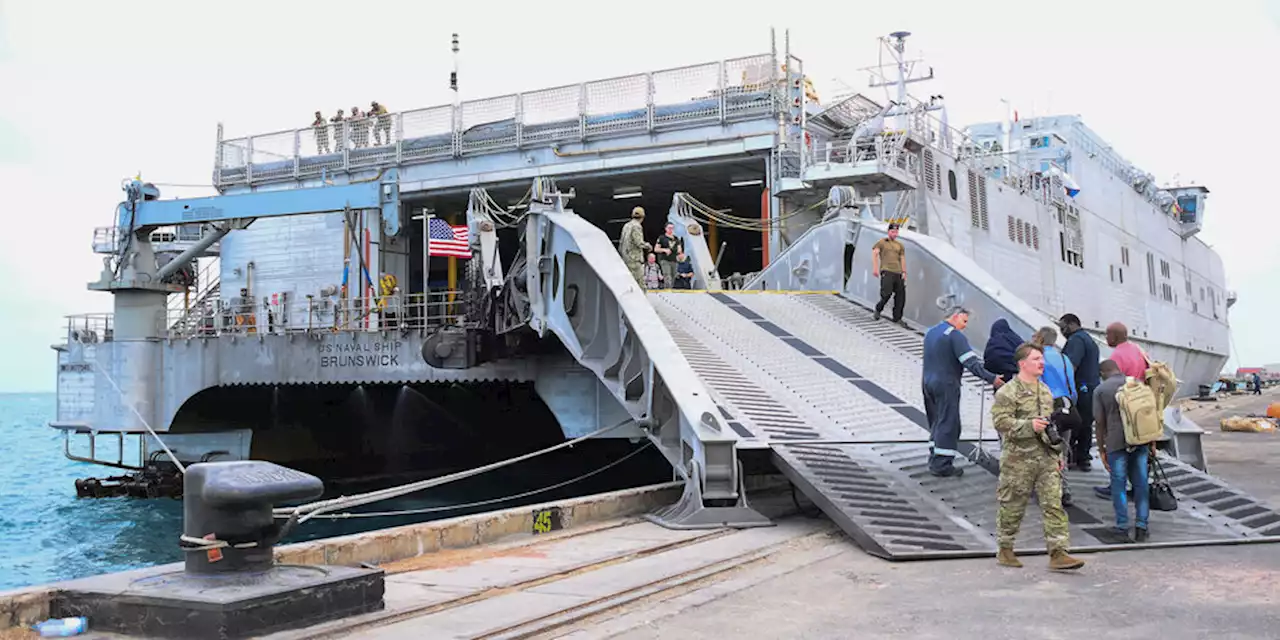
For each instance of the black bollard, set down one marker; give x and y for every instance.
(232, 502)
(229, 585)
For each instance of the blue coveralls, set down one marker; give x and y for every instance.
(946, 355)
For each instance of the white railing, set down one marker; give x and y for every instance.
(713, 92)
(108, 240)
(887, 148)
(405, 312)
(180, 305)
(90, 328)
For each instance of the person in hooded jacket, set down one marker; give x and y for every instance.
(1001, 345)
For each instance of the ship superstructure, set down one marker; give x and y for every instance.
(327, 303)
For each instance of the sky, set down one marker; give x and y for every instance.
(94, 92)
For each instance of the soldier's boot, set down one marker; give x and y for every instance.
(1006, 558)
(1060, 561)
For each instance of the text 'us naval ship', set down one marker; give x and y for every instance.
(319, 312)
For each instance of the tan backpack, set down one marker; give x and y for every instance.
(1140, 412)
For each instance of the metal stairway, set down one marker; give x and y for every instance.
(836, 396)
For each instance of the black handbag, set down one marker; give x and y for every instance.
(1162, 498)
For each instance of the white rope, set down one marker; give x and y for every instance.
(123, 399)
(207, 544)
(482, 503)
(308, 511)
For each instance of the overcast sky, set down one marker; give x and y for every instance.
(93, 92)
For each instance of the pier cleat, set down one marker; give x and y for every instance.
(229, 585)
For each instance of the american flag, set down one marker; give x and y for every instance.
(446, 240)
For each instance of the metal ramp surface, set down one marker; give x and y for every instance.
(836, 396)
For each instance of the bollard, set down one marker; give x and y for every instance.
(231, 502)
(228, 585)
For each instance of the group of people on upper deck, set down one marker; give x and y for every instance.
(352, 131)
(661, 264)
(1047, 403)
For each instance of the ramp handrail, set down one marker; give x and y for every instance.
(580, 291)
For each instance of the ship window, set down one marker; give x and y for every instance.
(1201, 293)
(1113, 273)
(1124, 256)
(951, 183)
(1062, 246)
(1121, 275)
(1188, 287)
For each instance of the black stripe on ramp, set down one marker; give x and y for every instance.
(967, 449)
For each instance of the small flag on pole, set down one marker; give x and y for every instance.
(446, 240)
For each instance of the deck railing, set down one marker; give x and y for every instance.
(402, 312)
(673, 98)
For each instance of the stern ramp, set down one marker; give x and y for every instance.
(836, 397)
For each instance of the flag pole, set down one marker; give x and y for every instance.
(426, 261)
(453, 272)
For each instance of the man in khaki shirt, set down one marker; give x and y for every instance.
(889, 263)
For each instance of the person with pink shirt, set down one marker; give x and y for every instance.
(1129, 356)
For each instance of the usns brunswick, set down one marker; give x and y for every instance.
(293, 316)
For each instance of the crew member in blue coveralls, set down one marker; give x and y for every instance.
(946, 355)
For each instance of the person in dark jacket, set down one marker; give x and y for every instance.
(1082, 351)
(998, 356)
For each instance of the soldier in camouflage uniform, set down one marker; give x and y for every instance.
(632, 245)
(1028, 462)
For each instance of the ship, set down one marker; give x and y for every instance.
(461, 260)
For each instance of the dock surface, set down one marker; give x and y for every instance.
(805, 579)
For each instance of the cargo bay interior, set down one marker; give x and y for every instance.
(735, 188)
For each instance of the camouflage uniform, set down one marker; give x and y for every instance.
(633, 249)
(1027, 462)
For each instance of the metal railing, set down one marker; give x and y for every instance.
(721, 91)
(108, 240)
(208, 284)
(90, 328)
(887, 148)
(404, 312)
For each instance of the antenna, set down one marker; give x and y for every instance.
(896, 43)
(453, 77)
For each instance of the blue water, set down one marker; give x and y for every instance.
(48, 534)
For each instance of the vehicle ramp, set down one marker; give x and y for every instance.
(836, 396)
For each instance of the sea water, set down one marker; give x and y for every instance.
(48, 534)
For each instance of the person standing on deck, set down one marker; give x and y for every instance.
(339, 132)
(684, 272)
(321, 131)
(946, 355)
(666, 248)
(632, 245)
(889, 263)
(359, 128)
(1082, 351)
(1029, 463)
(382, 130)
